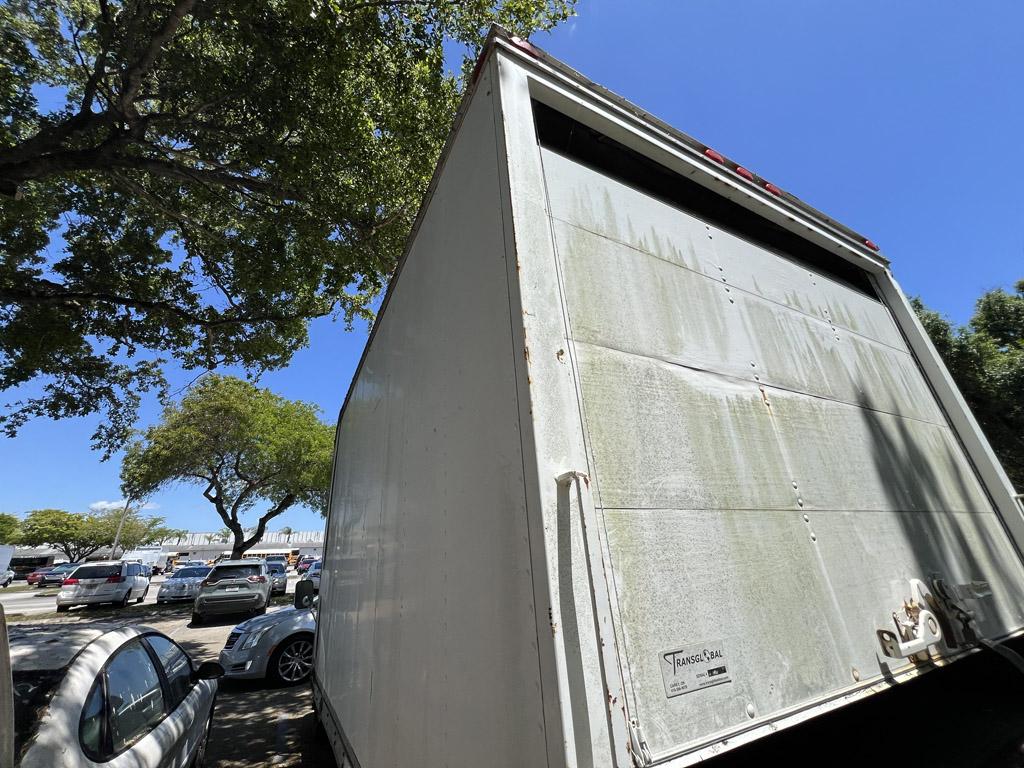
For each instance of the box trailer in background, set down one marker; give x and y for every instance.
(645, 460)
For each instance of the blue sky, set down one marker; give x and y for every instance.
(902, 120)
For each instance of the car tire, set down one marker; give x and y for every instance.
(62, 608)
(292, 662)
(199, 761)
(197, 619)
(123, 603)
(143, 597)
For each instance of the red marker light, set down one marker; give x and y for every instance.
(744, 173)
(714, 155)
(773, 189)
(871, 245)
(527, 46)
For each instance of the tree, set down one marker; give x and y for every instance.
(78, 536)
(10, 527)
(242, 445)
(220, 171)
(224, 535)
(287, 533)
(986, 359)
(177, 534)
(136, 531)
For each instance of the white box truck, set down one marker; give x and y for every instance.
(645, 460)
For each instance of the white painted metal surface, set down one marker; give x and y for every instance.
(428, 635)
(772, 457)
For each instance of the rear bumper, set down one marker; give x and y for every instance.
(64, 598)
(175, 598)
(209, 606)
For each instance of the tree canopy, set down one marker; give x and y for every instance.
(986, 358)
(10, 527)
(242, 445)
(216, 172)
(78, 536)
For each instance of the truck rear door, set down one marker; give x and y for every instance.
(770, 465)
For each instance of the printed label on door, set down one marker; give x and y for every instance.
(694, 668)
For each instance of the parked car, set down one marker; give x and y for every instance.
(304, 563)
(313, 574)
(6, 578)
(233, 586)
(278, 645)
(182, 585)
(278, 577)
(37, 575)
(56, 575)
(119, 696)
(105, 582)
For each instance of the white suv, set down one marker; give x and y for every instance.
(104, 582)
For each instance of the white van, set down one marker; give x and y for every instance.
(104, 582)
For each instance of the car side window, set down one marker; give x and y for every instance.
(135, 698)
(92, 724)
(133, 570)
(177, 667)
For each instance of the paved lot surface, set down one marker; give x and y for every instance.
(256, 724)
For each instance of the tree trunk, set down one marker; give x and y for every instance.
(242, 544)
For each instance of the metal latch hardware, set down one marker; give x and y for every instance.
(917, 628)
(950, 603)
(638, 744)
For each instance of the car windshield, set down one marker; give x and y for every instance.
(315, 567)
(97, 571)
(276, 567)
(33, 690)
(190, 573)
(233, 572)
(65, 567)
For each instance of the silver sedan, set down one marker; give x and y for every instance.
(119, 696)
(182, 585)
(278, 645)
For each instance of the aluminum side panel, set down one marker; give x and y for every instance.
(771, 463)
(626, 215)
(427, 645)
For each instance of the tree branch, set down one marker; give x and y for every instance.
(133, 77)
(48, 292)
(261, 524)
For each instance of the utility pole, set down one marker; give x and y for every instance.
(120, 525)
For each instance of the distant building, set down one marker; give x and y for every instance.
(196, 546)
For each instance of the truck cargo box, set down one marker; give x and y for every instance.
(645, 459)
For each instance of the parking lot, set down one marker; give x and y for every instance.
(256, 723)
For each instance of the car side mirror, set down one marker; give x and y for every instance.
(208, 670)
(304, 594)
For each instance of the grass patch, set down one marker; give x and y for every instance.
(21, 586)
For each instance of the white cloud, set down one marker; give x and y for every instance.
(107, 506)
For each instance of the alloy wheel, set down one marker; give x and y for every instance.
(296, 661)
